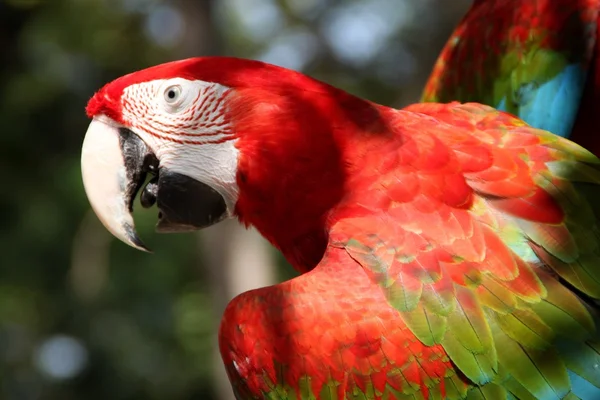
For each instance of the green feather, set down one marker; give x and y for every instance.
(517, 390)
(542, 372)
(365, 255)
(574, 171)
(455, 388)
(405, 396)
(475, 394)
(527, 328)
(563, 311)
(402, 291)
(435, 393)
(580, 274)
(556, 239)
(408, 388)
(470, 324)
(495, 296)
(477, 367)
(405, 292)
(490, 391)
(328, 391)
(438, 301)
(469, 344)
(572, 151)
(428, 327)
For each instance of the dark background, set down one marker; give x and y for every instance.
(83, 316)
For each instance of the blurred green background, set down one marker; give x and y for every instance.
(85, 317)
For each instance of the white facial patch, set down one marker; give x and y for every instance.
(184, 123)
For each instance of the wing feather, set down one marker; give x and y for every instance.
(477, 273)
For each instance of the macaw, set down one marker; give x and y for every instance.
(445, 251)
(537, 59)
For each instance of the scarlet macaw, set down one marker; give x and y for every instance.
(446, 250)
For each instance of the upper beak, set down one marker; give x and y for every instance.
(110, 179)
(114, 166)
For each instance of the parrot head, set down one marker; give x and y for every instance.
(220, 137)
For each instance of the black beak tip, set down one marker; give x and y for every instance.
(135, 239)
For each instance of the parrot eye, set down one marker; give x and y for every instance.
(172, 94)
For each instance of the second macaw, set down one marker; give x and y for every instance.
(447, 251)
(537, 59)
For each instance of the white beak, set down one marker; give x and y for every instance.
(106, 180)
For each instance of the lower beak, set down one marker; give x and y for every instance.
(115, 163)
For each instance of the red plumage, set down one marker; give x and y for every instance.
(427, 235)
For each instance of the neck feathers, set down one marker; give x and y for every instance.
(293, 168)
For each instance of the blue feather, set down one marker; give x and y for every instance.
(582, 388)
(553, 105)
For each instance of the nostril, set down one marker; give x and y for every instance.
(148, 196)
(151, 163)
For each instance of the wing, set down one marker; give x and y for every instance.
(446, 274)
(470, 230)
(529, 58)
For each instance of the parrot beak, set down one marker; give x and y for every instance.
(110, 167)
(114, 165)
